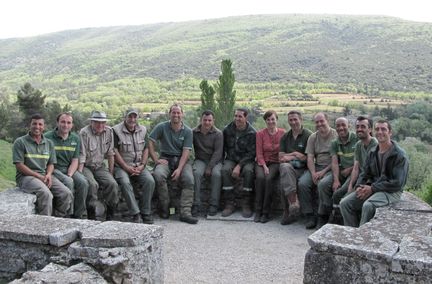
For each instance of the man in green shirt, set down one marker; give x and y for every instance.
(342, 161)
(292, 158)
(34, 158)
(175, 144)
(67, 147)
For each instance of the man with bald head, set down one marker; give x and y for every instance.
(319, 165)
(342, 161)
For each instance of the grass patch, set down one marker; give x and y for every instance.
(7, 169)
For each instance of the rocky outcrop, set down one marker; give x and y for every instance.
(394, 247)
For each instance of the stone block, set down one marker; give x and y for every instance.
(41, 229)
(16, 202)
(348, 241)
(119, 234)
(414, 256)
(52, 273)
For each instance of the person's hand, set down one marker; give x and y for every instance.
(236, 172)
(48, 180)
(176, 174)
(363, 192)
(266, 170)
(208, 172)
(162, 162)
(336, 184)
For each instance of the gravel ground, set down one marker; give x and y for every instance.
(217, 251)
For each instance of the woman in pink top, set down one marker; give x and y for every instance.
(267, 168)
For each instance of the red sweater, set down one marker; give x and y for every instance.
(267, 146)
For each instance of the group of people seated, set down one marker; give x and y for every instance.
(316, 173)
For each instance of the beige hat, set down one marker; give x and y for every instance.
(130, 111)
(98, 116)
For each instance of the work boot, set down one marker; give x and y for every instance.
(164, 212)
(287, 218)
(322, 220)
(137, 218)
(109, 214)
(195, 211)
(212, 210)
(257, 217)
(147, 219)
(265, 218)
(310, 221)
(228, 210)
(188, 219)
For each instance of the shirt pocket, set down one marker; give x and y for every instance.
(126, 146)
(140, 145)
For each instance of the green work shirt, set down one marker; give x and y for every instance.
(66, 149)
(361, 152)
(289, 145)
(35, 156)
(170, 142)
(344, 152)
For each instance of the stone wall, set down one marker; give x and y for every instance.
(119, 252)
(394, 247)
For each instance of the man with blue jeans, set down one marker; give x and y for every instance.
(67, 147)
(131, 155)
(175, 144)
(208, 146)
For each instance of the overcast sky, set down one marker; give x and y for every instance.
(22, 18)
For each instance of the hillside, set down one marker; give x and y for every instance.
(387, 53)
(7, 169)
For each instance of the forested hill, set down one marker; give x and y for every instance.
(388, 53)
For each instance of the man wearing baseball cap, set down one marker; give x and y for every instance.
(97, 144)
(131, 155)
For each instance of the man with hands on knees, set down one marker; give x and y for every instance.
(381, 182)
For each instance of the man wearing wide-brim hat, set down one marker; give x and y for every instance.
(97, 144)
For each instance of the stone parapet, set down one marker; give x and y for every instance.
(119, 252)
(394, 247)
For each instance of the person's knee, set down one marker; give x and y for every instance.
(368, 207)
(45, 194)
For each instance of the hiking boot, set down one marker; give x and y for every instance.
(188, 219)
(246, 211)
(147, 219)
(257, 217)
(287, 218)
(228, 210)
(322, 220)
(195, 211)
(310, 222)
(264, 218)
(212, 210)
(164, 212)
(137, 218)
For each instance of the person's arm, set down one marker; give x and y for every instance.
(119, 160)
(354, 175)
(72, 167)
(183, 159)
(22, 168)
(335, 171)
(48, 175)
(83, 151)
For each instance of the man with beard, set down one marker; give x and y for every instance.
(97, 143)
(131, 155)
(381, 182)
(319, 165)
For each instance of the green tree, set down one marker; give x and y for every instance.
(30, 101)
(207, 96)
